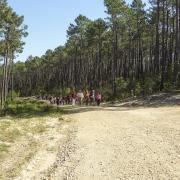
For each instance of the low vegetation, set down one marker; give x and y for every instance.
(29, 107)
(22, 123)
(3, 148)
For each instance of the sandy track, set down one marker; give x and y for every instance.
(114, 143)
(111, 144)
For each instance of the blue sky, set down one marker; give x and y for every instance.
(48, 21)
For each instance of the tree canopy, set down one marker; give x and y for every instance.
(134, 49)
(11, 32)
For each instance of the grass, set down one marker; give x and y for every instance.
(40, 128)
(29, 108)
(4, 147)
(15, 133)
(6, 133)
(10, 135)
(23, 116)
(12, 172)
(21, 122)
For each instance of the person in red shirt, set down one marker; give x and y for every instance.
(98, 98)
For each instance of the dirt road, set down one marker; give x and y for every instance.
(119, 143)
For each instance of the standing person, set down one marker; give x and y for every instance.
(87, 97)
(92, 97)
(51, 100)
(68, 99)
(73, 96)
(60, 100)
(80, 97)
(63, 100)
(54, 100)
(98, 98)
(57, 101)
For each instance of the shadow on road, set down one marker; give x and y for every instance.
(82, 109)
(153, 101)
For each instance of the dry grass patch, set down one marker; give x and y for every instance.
(23, 132)
(40, 128)
(18, 156)
(4, 147)
(18, 143)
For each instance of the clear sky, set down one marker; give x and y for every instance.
(48, 21)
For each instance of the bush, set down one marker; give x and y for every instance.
(122, 88)
(137, 89)
(28, 107)
(150, 85)
(66, 91)
(134, 87)
(106, 92)
(168, 86)
(13, 94)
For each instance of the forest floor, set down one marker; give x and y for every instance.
(120, 141)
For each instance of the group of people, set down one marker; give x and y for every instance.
(80, 97)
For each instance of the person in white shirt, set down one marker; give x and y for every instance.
(80, 97)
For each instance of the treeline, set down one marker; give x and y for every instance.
(135, 50)
(11, 32)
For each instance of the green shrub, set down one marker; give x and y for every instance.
(149, 85)
(134, 87)
(122, 88)
(13, 94)
(106, 92)
(168, 86)
(28, 107)
(138, 89)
